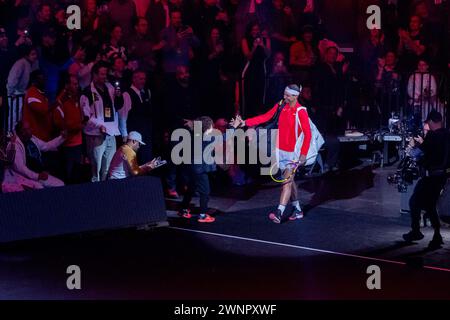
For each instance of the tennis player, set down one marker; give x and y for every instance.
(287, 160)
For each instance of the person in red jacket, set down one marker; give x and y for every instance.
(285, 147)
(68, 117)
(36, 109)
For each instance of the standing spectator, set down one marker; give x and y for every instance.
(68, 117)
(279, 78)
(115, 47)
(371, 49)
(412, 45)
(179, 41)
(43, 23)
(256, 49)
(7, 55)
(422, 90)
(137, 114)
(141, 48)
(283, 26)
(80, 69)
(329, 78)
(18, 176)
(100, 102)
(123, 13)
(158, 15)
(36, 109)
(19, 75)
(119, 75)
(303, 56)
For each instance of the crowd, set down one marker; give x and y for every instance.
(148, 65)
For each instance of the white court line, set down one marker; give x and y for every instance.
(305, 248)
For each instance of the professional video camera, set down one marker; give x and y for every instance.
(407, 171)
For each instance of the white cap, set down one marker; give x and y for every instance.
(134, 135)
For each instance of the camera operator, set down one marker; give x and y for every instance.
(436, 161)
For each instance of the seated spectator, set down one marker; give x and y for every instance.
(27, 151)
(43, 23)
(283, 26)
(19, 75)
(124, 163)
(387, 85)
(412, 45)
(36, 109)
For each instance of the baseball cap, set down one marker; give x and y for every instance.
(434, 116)
(134, 135)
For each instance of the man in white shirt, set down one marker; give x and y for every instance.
(100, 102)
(18, 177)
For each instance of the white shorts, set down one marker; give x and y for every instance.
(284, 158)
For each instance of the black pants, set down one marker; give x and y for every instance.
(425, 196)
(72, 158)
(197, 182)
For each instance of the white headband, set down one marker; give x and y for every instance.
(292, 91)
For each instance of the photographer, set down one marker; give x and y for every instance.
(436, 161)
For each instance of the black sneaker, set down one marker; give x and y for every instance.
(296, 214)
(436, 242)
(413, 236)
(276, 216)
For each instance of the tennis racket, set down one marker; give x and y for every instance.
(290, 165)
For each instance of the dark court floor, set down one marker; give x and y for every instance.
(352, 222)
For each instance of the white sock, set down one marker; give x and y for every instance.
(281, 208)
(296, 204)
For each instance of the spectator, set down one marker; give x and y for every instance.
(100, 103)
(124, 163)
(18, 176)
(279, 78)
(422, 91)
(123, 13)
(136, 114)
(179, 41)
(303, 56)
(68, 117)
(19, 75)
(114, 47)
(119, 75)
(371, 49)
(387, 85)
(158, 15)
(7, 55)
(412, 45)
(141, 48)
(80, 69)
(42, 24)
(283, 26)
(256, 49)
(36, 109)
(52, 61)
(329, 81)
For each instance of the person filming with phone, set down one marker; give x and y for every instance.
(124, 163)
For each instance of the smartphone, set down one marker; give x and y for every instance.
(160, 163)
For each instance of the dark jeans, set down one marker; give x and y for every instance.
(425, 196)
(72, 158)
(198, 182)
(333, 147)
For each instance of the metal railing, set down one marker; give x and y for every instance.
(13, 112)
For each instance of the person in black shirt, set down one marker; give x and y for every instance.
(436, 161)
